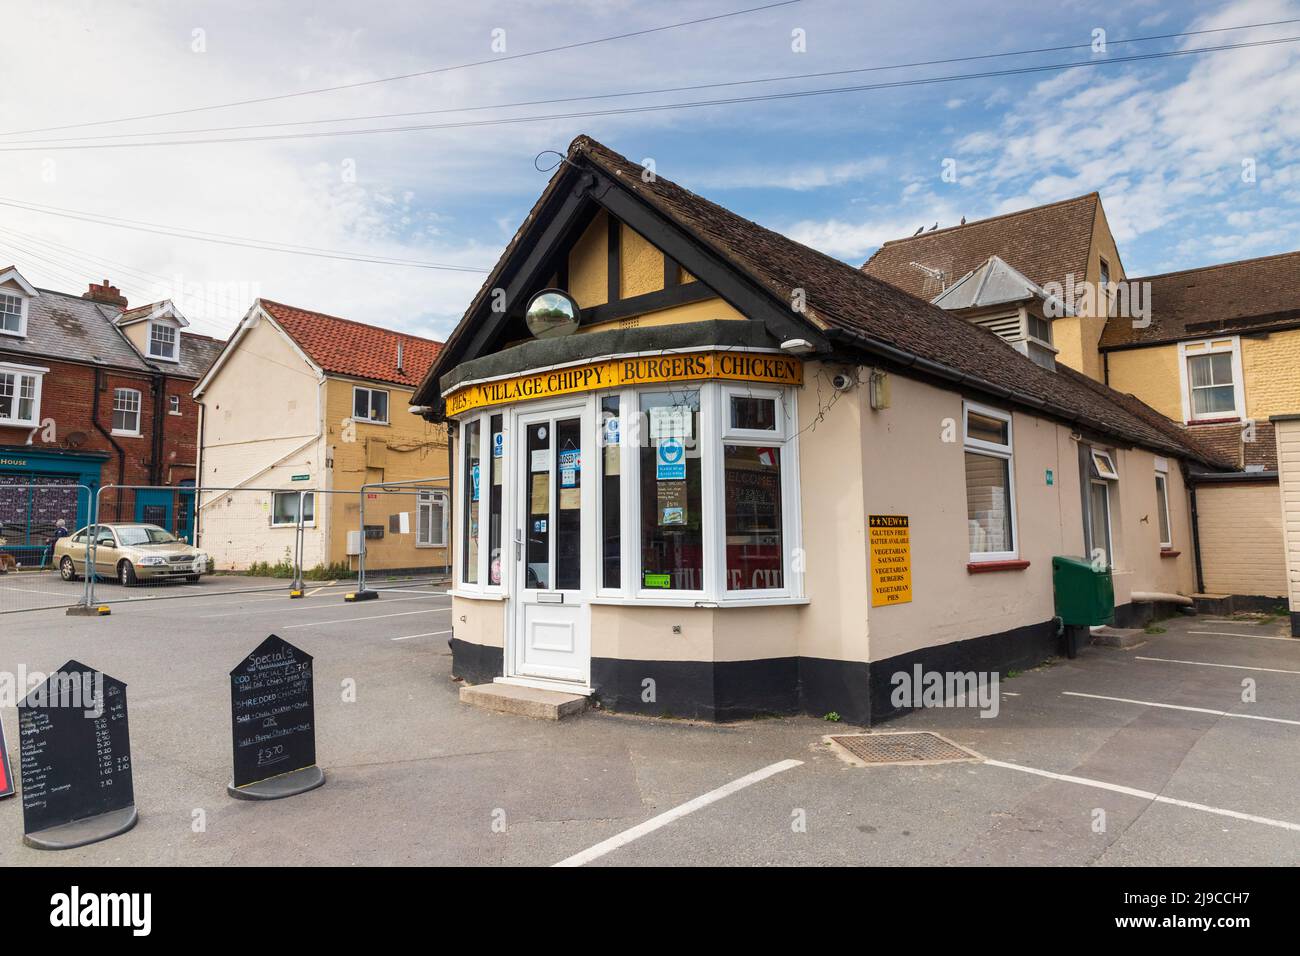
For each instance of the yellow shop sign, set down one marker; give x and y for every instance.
(615, 373)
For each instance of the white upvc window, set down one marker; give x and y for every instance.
(369, 405)
(173, 404)
(284, 509)
(126, 412)
(13, 314)
(164, 342)
(990, 483)
(1212, 384)
(756, 491)
(714, 523)
(1102, 476)
(20, 394)
(431, 519)
(1166, 533)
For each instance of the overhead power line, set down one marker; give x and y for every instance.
(695, 87)
(663, 107)
(503, 58)
(178, 232)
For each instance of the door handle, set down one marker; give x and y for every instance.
(519, 544)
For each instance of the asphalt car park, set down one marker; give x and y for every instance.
(1147, 755)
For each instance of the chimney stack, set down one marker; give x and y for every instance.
(106, 293)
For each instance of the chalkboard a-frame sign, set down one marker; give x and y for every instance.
(75, 759)
(273, 722)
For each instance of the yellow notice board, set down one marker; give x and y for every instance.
(891, 559)
(609, 373)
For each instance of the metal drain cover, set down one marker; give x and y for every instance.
(924, 747)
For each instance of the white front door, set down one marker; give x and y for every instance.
(552, 546)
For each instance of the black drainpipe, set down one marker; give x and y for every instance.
(1196, 530)
(159, 388)
(121, 452)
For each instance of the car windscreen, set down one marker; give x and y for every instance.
(132, 537)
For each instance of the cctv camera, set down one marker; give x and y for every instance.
(842, 382)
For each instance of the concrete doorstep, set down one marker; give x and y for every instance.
(1119, 636)
(524, 701)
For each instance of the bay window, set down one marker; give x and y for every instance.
(990, 485)
(693, 491)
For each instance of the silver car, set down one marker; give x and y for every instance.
(131, 553)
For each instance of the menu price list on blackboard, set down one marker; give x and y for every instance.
(75, 749)
(272, 712)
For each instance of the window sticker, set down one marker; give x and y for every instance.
(670, 460)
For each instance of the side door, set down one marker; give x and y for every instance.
(105, 551)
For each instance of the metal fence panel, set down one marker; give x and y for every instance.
(38, 569)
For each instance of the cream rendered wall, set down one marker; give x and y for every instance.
(261, 426)
(910, 469)
(479, 620)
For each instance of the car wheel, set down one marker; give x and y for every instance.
(126, 574)
(67, 570)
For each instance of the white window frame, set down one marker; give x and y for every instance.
(425, 499)
(175, 354)
(756, 438)
(1212, 346)
(714, 404)
(625, 452)
(387, 405)
(139, 411)
(173, 404)
(19, 372)
(1104, 462)
(989, 449)
(293, 524)
(1110, 521)
(1162, 506)
(482, 587)
(23, 304)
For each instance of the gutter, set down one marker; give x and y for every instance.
(1230, 477)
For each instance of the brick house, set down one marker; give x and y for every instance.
(91, 394)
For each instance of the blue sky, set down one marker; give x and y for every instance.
(1164, 141)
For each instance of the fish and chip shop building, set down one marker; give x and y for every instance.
(702, 470)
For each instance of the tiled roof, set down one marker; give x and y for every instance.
(1045, 243)
(1254, 294)
(874, 313)
(198, 352)
(345, 347)
(79, 330)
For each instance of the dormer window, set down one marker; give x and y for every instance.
(163, 342)
(13, 314)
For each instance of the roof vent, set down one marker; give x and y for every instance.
(399, 357)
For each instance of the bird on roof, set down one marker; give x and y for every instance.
(935, 226)
(919, 231)
(963, 221)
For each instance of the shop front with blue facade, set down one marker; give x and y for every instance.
(39, 487)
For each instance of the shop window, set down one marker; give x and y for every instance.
(496, 495)
(431, 520)
(13, 315)
(672, 529)
(20, 395)
(163, 342)
(284, 509)
(537, 530)
(370, 405)
(752, 490)
(470, 434)
(611, 514)
(126, 411)
(1162, 510)
(990, 493)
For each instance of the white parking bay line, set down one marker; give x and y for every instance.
(430, 634)
(1196, 710)
(1257, 637)
(370, 617)
(676, 813)
(288, 605)
(1147, 795)
(1235, 667)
